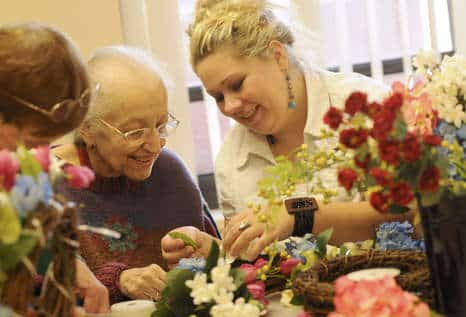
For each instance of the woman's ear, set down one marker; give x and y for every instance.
(279, 54)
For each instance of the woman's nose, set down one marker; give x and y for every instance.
(153, 142)
(232, 105)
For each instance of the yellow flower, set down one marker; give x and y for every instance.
(11, 226)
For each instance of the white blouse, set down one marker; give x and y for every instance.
(244, 153)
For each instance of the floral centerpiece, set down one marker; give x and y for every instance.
(31, 216)
(411, 145)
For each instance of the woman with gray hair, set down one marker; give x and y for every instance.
(141, 189)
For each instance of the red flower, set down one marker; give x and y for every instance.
(379, 201)
(79, 176)
(260, 262)
(357, 101)
(430, 179)
(347, 177)
(389, 151)
(373, 108)
(401, 194)
(257, 291)
(411, 148)
(383, 124)
(353, 138)
(286, 267)
(394, 102)
(333, 118)
(434, 140)
(9, 166)
(382, 177)
(362, 163)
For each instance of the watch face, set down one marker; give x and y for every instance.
(301, 204)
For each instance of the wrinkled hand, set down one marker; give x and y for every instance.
(94, 293)
(236, 241)
(143, 283)
(173, 250)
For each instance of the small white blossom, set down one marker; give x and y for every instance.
(202, 292)
(238, 309)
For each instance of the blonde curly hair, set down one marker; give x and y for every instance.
(250, 25)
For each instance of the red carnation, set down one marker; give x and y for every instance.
(353, 138)
(383, 124)
(333, 118)
(401, 194)
(382, 177)
(389, 151)
(411, 148)
(357, 101)
(434, 140)
(379, 201)
(430, 179)
(347, 177)
(362, 163)
(373, 108)
(394, 102)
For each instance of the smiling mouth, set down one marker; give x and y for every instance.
(142, 160)
(249, 114)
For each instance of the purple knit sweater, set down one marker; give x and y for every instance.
(142, 212)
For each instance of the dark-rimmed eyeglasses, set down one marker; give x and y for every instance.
(60, 111)
(138, 136)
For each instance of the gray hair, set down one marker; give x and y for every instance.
(132, 56)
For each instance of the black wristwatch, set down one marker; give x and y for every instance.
(303, 209)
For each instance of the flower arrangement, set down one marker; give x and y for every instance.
(207, 288)
(407, 144)
(29, 212)
(380, 297)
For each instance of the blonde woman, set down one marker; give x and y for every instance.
(244, 57)
(44, 94)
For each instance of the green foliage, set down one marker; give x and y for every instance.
(212, 259)
(186, 239)
(28, 163)
(322, 241)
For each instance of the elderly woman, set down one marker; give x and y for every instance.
(141, 189)
(44, 93)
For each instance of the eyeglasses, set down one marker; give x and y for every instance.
(137, 137)
(60, 111)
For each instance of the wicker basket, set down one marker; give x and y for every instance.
(317, 288)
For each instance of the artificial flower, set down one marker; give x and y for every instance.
(250, 272)
(79, 176)
(238, 309)
(287, 266)
(29, 192)
(333, 118)
(42, 155)
(9, 166)
(347, 177)
(401, 194)
(192, 264)
(397, 236)
(356, 103)
(11, 225)
(257, 291)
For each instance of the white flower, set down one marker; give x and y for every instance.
(202, 292)
(425, 60)
(238, 309)
(287, 296)
(221, 276)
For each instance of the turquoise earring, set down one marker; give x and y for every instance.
(291, 102)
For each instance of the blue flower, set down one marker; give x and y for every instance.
(192, 264)
(28, 192)
(296, 246)
(397, 236)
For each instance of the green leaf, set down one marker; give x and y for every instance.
(212, 259)
(297, 300)
(179, 302)
(162, 311)
(238, 277)
(322, 241)
(28, 163)
(186, 240)
(397, 209)
(11, 254)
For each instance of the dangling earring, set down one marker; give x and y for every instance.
(291, 101)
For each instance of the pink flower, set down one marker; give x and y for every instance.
(260, 262)
(79, 176)
(9, 166)
(42, 155)
(374, 298)
(250, 272)
(257, 291)
(286, 267)
(304, 314)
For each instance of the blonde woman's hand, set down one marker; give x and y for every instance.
(173, 250)
(245, 227)
(88, 287)
(143, 283)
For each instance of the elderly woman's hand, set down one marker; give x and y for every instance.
(245, 227)
(94, 293)
(143, 283)
(173, 250)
